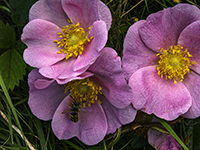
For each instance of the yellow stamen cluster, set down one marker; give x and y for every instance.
(174, 63)
(73, 39)
(85, 92)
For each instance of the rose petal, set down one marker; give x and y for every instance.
(163, 28)
(117, 117)
(90, 128)
(192, 83)
(39, 35)
(79, 77)
(108, 74)
(104, 14)
(49, 10)
(62, 68)
(86, 12)
(162, 141)
(62, 71)
(135, 54)
(153, 94)
(42, 83)
(92, 49)
(44, 102)
(190, 39)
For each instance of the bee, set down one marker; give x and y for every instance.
(75, 108)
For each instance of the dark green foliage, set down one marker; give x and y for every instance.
(20, 11)
(12, 65)
(12, 68)
(196, 135)
(7, 36)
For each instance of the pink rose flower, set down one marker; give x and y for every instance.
(161, 62)
(64, 37)
(95, 104)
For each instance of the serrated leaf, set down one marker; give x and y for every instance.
(20, 47)
(20, 11)
(7, 36)
(12, 68)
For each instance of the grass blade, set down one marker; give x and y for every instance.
(171, 131)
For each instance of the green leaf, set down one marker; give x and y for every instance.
(20, 11)
(20, 47)
(12, 68)
(7, 36)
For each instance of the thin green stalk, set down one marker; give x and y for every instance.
(126, 144)
(73, 145)
(10, 103)
(104, 145)
(5, 8)
(9, 117)
(119, 131)
(171, 131)
(18, 131)
(7, 4)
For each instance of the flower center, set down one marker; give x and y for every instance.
(84, 92)
(174, 63)
(73, 40)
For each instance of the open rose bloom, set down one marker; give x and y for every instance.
(161, 62)
(64, 37)
(95, 104)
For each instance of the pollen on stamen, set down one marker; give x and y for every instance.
(72, 40)
(174, 63)
(84, 91)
